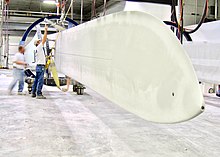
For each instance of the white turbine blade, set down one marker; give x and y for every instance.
(134, 60)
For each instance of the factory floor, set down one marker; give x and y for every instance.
(68, 125)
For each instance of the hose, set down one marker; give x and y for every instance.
(202, 20)
(94, 14)
(205, 12)
(105, 5)
(71, 4)
(81, 16)
(186, 34)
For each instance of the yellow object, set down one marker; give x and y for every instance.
(64, 89)
(48, 63)
(50, 55)
(52, 67)
(54, 72)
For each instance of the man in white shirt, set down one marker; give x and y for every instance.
(40, 68)
(19, 65)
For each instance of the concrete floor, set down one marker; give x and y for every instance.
(67, 125)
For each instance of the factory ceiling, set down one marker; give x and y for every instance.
(39, 6)
(22, 13)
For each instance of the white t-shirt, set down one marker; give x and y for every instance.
(40, 55)
(19, 57)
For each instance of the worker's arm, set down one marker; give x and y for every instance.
(45, 35)
(68, 81)
(20, 62)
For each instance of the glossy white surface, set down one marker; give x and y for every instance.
(135, 61)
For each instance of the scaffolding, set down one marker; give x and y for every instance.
(1, 30)
(4, 34)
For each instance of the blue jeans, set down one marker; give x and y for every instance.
(18, 76)
(39, 80)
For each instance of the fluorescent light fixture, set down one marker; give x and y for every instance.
(50, 1)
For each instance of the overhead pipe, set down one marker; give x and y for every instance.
(6, 36)
(81, 20)
(216, 9)
(1, 31)
(32, 12)
(58, 7)
(104, 5)
(72, 10)
(93, 9)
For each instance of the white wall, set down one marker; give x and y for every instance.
(197, 7)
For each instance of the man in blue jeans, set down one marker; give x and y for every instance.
(19, 65)
(40, 68)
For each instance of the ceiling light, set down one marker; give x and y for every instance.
(49, 1)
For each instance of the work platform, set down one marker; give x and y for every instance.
(69, 125)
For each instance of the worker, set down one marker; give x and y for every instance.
(40, 67)
(68, 82)
(19, 65)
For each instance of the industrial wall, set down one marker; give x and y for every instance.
(193, 10)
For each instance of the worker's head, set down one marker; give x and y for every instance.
(21, 49)
(37, 42)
